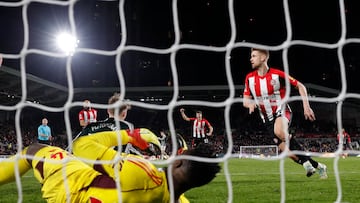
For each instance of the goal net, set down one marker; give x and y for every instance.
(166, 55)
(262, 151)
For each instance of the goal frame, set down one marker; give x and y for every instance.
(260, 155)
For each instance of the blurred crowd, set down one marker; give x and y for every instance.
(9, 141)
(313, 140)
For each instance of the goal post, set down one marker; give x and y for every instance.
(259, 151)
(171, 40)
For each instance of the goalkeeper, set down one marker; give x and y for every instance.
(139, 180)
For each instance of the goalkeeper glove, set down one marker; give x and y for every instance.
(139, 136)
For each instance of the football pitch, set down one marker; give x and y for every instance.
(252, 181)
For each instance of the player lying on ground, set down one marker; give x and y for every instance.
(140, 180)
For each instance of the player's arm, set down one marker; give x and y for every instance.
(349, 141)
(249, 103)
(82, 119)
(83, 123)
(183, 115)
(41, 132)
(348, 138)
(15, 162)
(211, 129)
(98, 144)
(308, 112)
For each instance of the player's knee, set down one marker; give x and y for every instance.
(281, 134)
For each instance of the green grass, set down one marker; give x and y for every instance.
(30, 190)
(252, 181)
(255, 181)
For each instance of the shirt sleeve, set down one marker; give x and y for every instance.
(283, 75)
(81, 115)
(246, 88)
(40, 130)
(207, 123)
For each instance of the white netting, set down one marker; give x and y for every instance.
(173, 50)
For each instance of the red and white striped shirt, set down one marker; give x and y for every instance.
(199, 127)
(88, 116)
(267, 91)
(343, 138)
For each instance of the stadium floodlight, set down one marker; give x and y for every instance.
(67, 43)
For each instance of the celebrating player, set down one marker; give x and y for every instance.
(264, 90)
(140, 180)
(200, 132)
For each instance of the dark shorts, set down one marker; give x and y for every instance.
(269, 125)
(44, 142)
(195, 141)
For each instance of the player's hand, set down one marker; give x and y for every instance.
(309, 114)
(252, 108)
(182, 110)
(136, 137)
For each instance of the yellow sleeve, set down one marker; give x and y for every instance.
(183, 199)
(110, 138)
(98, 146)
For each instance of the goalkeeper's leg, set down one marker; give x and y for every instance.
(8, 167)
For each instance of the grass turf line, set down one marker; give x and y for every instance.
(253, 181)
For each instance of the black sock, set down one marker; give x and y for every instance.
(302, 159)
(294, 145)
(314, 163)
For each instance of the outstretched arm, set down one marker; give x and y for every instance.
(211, 129)
(308, 112)
(183, 115)
(99, 146)
(8, 167)
(94, 146)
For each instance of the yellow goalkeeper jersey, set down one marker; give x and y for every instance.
(62, 176)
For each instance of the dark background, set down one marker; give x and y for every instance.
(201, 22)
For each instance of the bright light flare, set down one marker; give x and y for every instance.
(67, 43)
